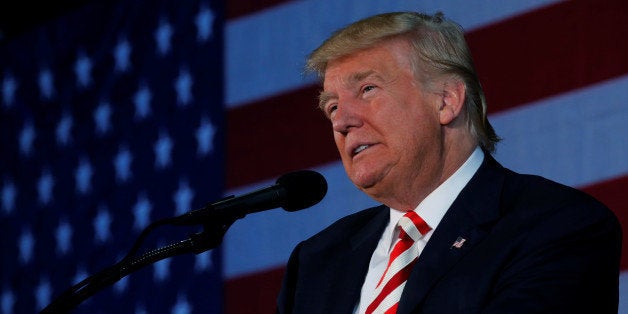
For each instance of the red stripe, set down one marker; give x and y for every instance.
(253, 294)
(277, 135)
(393, 309)
(401, 246)
(395, 281)
(238, 8)
(545, 52)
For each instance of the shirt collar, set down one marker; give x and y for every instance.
(435, 205)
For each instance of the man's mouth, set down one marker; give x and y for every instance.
(360, 148)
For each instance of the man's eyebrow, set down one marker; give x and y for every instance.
(324, 97)
(359, 76)
(354, 78)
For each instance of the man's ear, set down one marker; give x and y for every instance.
(452, 100)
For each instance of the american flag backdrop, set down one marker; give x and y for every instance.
(555, 74)
(111, 117)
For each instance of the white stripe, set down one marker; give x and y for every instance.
(577, 139)
(391, 299)
(623, 292)
(265, 52)
(410, 228)
(397, 265)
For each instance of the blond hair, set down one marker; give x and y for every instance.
(439, 49)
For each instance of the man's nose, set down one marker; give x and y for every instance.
(346, 117)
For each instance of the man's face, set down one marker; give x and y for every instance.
(386, 126)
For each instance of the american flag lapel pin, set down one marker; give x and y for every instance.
(459, 243)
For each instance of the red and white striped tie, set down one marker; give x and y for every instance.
(402, 258)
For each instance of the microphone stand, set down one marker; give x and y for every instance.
(293, 191)
(209, 238)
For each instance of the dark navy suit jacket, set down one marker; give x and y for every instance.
(531, 246)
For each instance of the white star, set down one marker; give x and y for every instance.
(183, 198)
(43, 293)
(64, 237)
(163, 35)
(83, 69)
(122, 163)
(64, 129)
(142, 100)
(141, 211)
(203, 261)
(102, 118)
(26, 244)
(122, 55)
(9, 85)
(44, 187)
(46, 84)
(163, 149)
(102, 222)
(182, 306)
(139, 309)
(8, 197)
(204, 22)
(183, 86)
(83, 176)
(205, 137)
(161, 270)
(27, 136)
(7, 301)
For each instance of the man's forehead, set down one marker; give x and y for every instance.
(350, 77)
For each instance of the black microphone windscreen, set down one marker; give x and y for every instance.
(304, 188)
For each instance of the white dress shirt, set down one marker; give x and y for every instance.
(431, 209)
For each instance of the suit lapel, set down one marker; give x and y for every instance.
(467, 219)
(352, 265)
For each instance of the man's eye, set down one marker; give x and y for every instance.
(330, 109)
(368, 88)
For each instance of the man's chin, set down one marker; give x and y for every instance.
(366, 182)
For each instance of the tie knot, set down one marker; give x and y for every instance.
(412, 226)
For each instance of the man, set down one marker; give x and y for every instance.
(409, 120)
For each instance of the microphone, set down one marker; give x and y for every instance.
(293, 191)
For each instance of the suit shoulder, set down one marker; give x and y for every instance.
(537, 193)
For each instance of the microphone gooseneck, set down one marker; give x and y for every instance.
(293, 191)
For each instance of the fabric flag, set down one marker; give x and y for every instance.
(111, 117)
(555, 75)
